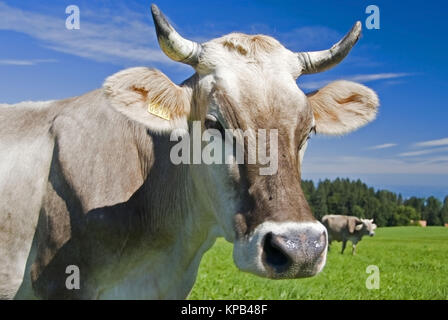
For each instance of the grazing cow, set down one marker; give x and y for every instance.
(344, 228)
(87, 183)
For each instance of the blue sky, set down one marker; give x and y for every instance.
(405, 149)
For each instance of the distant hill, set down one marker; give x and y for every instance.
(387, 208)
(422, 191)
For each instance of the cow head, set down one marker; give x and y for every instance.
(248, 82)
(369, 227)
(361, 227)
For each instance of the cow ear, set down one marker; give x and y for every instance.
(149, 97)
(353, 223)
(343, 106)
(358, 227)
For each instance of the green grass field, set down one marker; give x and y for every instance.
(413, 264)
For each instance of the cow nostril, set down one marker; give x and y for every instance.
(323, 240)
(274, 256)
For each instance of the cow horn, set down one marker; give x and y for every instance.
(318, 61)
(174, 46)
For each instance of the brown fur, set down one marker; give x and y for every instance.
(249, 45)
(277, 197)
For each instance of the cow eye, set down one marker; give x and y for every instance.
(313, 130)
(211, 122)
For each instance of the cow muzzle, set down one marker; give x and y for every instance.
(283, 250)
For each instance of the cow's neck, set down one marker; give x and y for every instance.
(177, 226)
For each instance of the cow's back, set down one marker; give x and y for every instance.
(336, 226)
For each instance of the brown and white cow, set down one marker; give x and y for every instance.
(88, 181)
(347, 228)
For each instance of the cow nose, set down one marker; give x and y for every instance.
(292, 254)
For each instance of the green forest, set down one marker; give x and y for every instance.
(355, 198)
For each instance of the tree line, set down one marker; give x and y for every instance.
(355, 198)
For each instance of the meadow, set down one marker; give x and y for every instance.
(412, 261)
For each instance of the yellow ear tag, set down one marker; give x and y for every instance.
(159, 111)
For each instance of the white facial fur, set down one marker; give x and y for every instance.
(369, 226)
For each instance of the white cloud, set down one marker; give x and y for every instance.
(422, 152)
(437, 159)
(378, 76)
(108, 39)
(383, 146)
(366, 165)
(432, 143)
(129, 36)
(25, 62)
(363, 78)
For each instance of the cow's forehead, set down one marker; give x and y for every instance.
(262, 104)
(258, 75)
(247, 52)
(368, 223)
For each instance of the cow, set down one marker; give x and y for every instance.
(345, 228)
(93, 207)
